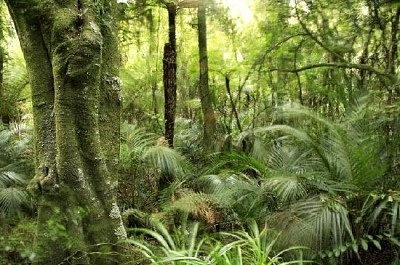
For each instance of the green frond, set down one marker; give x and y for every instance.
(134, 143)
(319, 223)
(171, 193)
(255, 246)
(246, 196)
(380, 209)
(349, 151)
(290, 159)
(9, 178)
(204, 207)
(167, 160)
(183, 246)
(288, 188)
(11, 200)
(235, 162)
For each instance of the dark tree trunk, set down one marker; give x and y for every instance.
(169, 67)
(205, 97)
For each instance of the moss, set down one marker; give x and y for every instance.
(66, 20)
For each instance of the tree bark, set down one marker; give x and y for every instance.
(1, 80)
(205, 97)
(169, 76)
(71, 53)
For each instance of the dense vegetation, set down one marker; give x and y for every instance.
(285, 141)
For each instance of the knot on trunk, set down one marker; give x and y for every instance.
(44, 182)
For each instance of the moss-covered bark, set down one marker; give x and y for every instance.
(1, 79)
(70, 48)
(205, 96)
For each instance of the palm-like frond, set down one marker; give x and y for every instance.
(11, 200)
(15, 82)
(289, 188)
(134, 143)
(349, 151)
(9, 178)
(235, 162)
(319, 223)
(167, 160)
(382, 212)
(14, 169)
(149, 164)
(247, 196)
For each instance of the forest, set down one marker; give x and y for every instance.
(222, 132)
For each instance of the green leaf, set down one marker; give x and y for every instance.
(377, 244)
(364, 244)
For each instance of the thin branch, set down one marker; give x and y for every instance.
(314, 38)
(338, 65)
(261, 59)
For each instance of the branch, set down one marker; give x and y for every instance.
(314, 38)
(261, 59)
(338, 65)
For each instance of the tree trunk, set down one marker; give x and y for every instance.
(169, 67)
(1, 80)
(205, 97)
(71, 53)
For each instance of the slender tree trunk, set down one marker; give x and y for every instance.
(169, 66)
(1, 80)
(71, 53)
(205, 97)
(153, 49)
(234, 111)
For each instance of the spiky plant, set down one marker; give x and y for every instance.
(181, 247)
(186, 246)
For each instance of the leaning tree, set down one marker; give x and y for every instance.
(71, 53)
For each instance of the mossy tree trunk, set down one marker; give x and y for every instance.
(1, 80)
(205, 96)
(2, 55)
(71, 53)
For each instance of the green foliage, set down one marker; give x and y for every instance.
(322, 186)
(144, 161)
(186, 246)
(14, 99)
(16, 243)
(15, 171)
